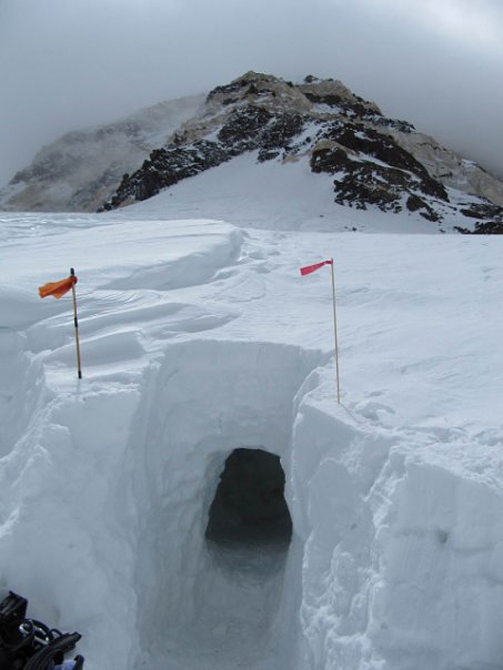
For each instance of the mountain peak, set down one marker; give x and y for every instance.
(270, 91)
(368, 161)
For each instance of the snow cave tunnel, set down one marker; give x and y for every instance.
(249, 507)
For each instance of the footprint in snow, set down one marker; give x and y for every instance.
(373, 411)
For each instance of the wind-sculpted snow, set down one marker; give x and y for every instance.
(199, 339)
(19, 388)
(404, 569)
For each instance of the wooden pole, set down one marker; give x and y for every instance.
(76, 324)
(335, 336)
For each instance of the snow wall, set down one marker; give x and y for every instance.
(396, 560)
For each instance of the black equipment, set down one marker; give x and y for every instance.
(27, 644)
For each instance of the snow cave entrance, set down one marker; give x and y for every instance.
(218, 565)
(249, 510)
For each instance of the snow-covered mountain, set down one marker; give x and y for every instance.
(364, 160)
(81, 169)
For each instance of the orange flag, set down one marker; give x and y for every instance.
(57, 288)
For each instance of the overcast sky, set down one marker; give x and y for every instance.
(68, 64)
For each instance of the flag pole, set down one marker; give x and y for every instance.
(76, 324)
(335, 335)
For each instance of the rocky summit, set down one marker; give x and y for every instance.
(371, 161)
(375, 161)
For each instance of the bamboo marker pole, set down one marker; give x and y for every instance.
(335, 335)
(76, 324)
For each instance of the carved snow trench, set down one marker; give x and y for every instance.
(215, 544)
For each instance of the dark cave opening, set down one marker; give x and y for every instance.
(249, 507)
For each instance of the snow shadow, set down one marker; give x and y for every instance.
(21, 386)
(208, 465)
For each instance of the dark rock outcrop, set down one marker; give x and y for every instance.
(483, 228)
(245, 129)
(363, 183)
(491, 215)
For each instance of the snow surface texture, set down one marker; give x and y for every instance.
(199, 338)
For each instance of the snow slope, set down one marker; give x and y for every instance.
(198, 338)
(284, 197)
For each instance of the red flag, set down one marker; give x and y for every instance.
(312, 268)
(57, 288)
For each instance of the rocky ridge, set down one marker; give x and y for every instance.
(369, 160)
(375, 161)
